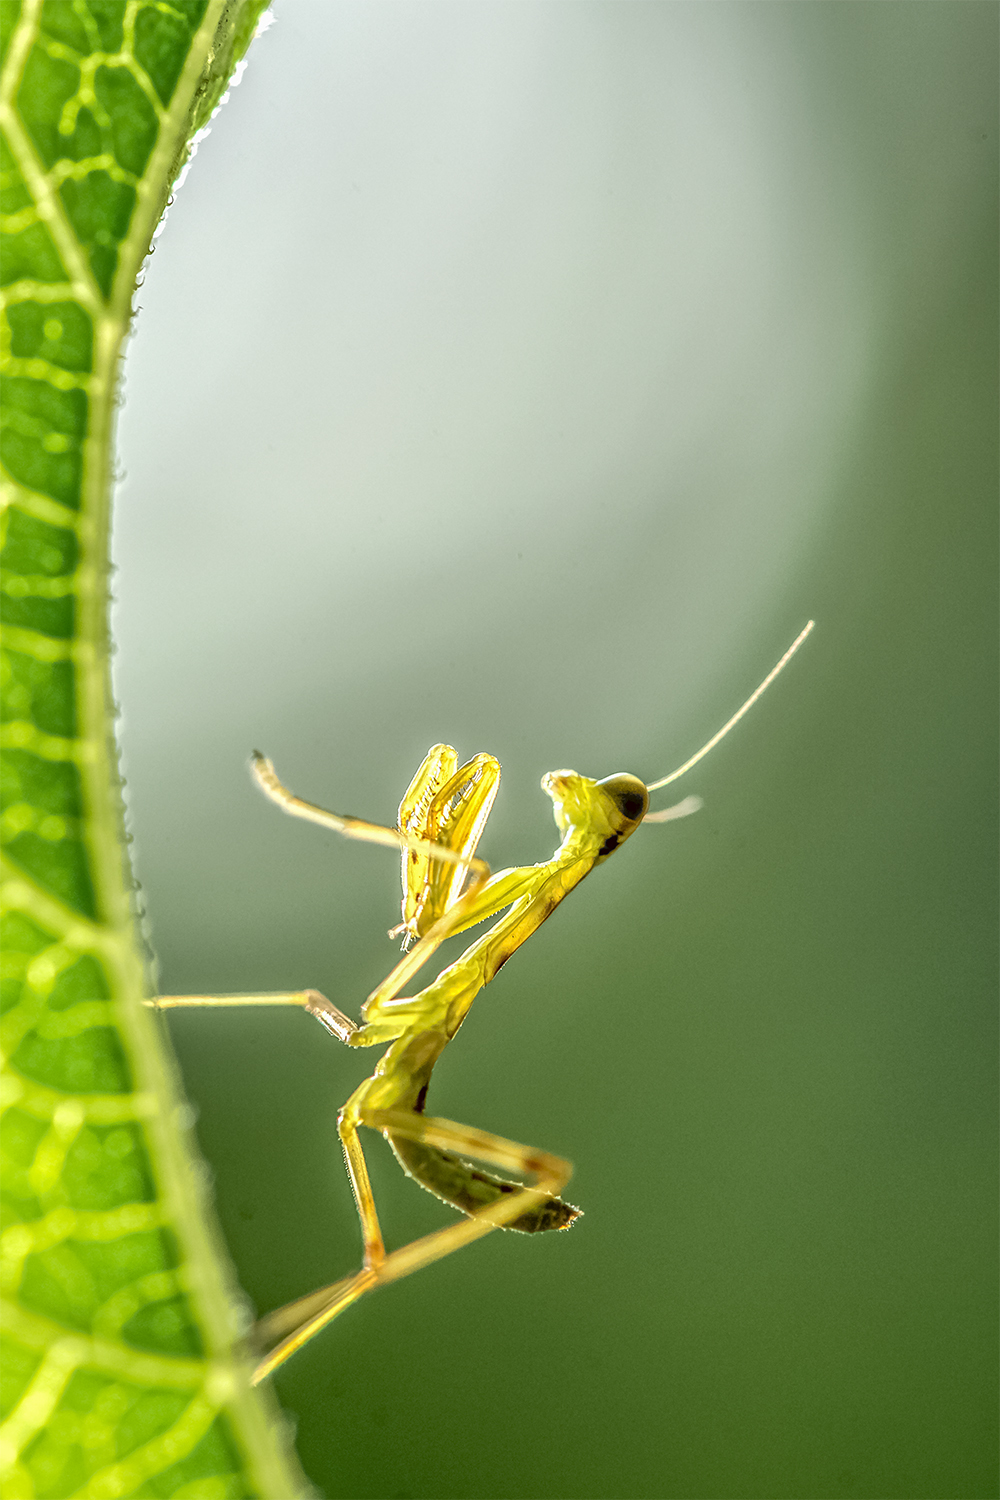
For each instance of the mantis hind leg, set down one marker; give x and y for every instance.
(298, 1322)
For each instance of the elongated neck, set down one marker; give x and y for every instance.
(579, 845)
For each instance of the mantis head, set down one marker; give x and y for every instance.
(606, 811)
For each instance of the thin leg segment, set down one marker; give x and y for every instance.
(357, 1170)
(318, 1309)
(266, 778)
(335, 1299)
(317, 1005)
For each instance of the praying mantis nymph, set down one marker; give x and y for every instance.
(447, 888)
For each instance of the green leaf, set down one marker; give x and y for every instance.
(119, 1376)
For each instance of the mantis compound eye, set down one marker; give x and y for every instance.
(628, 794)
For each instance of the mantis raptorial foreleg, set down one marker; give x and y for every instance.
(447, 805)
(359, 828)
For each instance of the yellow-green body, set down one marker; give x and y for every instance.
(441, 818)
(593, 824)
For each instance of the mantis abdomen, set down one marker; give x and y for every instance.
(470, 1189)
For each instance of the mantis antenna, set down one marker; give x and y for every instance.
(737, 716)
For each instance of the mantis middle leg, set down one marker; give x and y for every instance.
(317, 1005)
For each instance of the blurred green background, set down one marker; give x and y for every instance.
(524, 377)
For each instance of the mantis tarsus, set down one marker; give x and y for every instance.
(441, 819)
